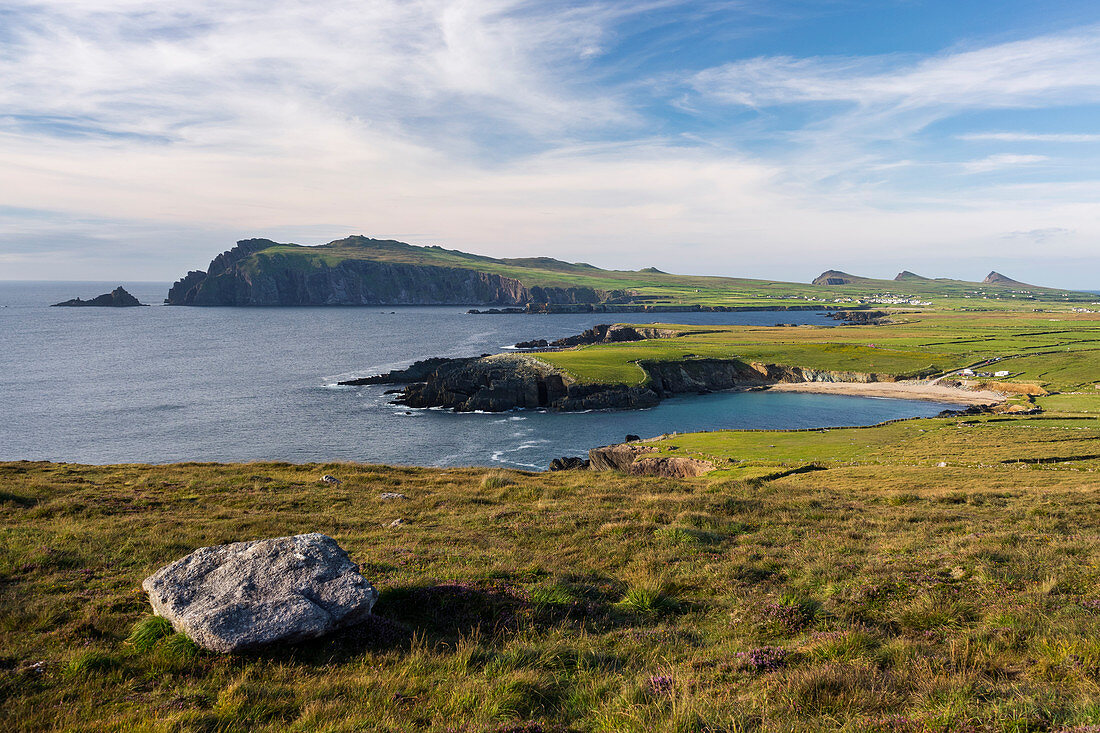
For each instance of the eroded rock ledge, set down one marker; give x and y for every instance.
(516, 381)
(635, 459)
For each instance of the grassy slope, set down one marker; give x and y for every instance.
(901, 596)
(1061, 354)
(666, 288)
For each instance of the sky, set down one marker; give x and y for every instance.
(748, 138)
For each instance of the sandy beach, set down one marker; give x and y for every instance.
(908, 390)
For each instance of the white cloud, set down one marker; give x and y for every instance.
(479, 124)
(1001, 160)
(1041, 71)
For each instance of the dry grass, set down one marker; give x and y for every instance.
(854, 598)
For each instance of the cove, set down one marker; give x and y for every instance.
(530, 439)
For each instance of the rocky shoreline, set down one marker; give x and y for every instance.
(542, 308)
(501, 382)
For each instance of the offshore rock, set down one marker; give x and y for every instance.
(117, 298)
(244, 595)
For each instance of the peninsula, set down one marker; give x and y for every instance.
(359, 270)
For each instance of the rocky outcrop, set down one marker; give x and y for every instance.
(244, 595)
(613, 334)
(602, 334)
(117, 298)
(568, 463)
(420, 371)
(860, 318)
(518, 381)
(640, 460)
(510, 381)
(907, 275)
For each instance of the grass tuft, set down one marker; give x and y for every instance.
(92, 662)
(178, 647)
(648, 597)
(148, 631)
(496, 480)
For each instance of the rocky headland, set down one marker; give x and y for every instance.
(117, 298)
(496, 383)
(260, 272)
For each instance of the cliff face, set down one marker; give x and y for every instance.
(507, 381)
(245, 277)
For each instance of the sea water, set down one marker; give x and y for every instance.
(162, 384)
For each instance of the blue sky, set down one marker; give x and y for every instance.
(764, 139)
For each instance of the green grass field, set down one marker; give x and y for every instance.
(879, 593)
(1061, 355)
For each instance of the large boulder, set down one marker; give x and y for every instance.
(249, 594)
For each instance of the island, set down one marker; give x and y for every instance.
(117, 298)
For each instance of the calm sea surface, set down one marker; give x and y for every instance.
(161, 384)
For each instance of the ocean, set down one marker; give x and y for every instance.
(165, 384)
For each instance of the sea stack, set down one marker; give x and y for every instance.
(117, 298)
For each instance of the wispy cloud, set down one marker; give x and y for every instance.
(504, 126)
(1001, 160)
(1040, 236)
(1051, 69)
(1029, 137)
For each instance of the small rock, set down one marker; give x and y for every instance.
(397, 523)
(331, 480)
(388, 495)
(941, 464)
(249, 594)
(630, 438)
(568, 463)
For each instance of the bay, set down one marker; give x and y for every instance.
(164, 384)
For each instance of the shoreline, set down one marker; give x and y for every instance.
(907, 390)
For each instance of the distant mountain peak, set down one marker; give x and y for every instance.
(996, 278)
(907, 275)
(835, 277)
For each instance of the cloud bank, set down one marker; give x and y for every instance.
(147, 136)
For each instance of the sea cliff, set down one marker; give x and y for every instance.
(260, 272)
